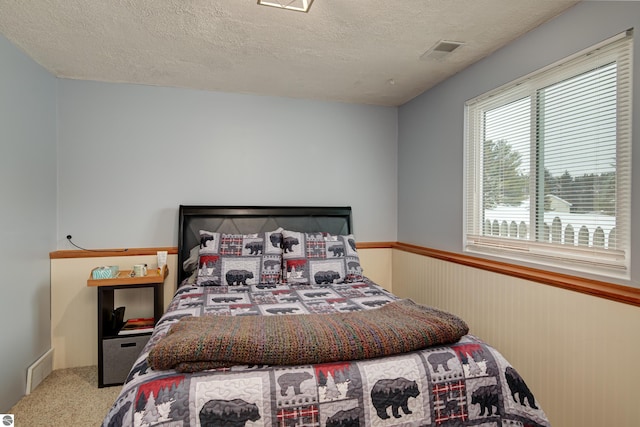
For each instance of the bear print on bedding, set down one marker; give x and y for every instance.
(319, 258)
(239, 259)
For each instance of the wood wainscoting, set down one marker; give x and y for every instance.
(578, 350)
(578, 353)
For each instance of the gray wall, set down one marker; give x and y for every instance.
(430, 137)
(27, 215)
(129, 155)
(112, 162)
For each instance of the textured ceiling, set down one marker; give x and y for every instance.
(358, 51)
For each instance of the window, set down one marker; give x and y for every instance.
(548, 164)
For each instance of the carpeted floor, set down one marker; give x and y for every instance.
(66, 398)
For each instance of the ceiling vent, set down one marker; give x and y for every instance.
(441, 50)
(298, 5)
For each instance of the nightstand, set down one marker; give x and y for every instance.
(117, 353)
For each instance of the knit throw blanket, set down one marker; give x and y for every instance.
(198, 343)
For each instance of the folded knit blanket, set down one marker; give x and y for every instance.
(199, 343)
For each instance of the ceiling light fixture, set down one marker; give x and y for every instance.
(298, 5)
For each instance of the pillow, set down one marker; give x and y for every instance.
(191, 263)
(319, 258)
(239, 259)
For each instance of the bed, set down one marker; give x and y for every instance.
(274, 323)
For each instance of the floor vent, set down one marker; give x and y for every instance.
(39, 370)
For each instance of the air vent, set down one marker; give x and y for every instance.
(298, 5)
(40, 369)
(441, 49)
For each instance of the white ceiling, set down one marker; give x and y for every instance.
(358, 51)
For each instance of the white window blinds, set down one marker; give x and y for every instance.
(548, 164)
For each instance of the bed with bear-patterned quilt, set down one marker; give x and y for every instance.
(274, 324)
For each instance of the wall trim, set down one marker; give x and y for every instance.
(76, 253)
(98, 253)
(611, 291)
(375, 245)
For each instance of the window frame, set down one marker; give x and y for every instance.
(609, 262)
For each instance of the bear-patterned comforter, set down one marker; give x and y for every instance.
(464, 384)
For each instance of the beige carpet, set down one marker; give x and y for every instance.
(66, 398)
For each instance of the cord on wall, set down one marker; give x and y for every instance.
(93, 250)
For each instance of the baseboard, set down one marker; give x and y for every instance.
(39, 370)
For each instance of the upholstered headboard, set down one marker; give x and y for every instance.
(254, 219)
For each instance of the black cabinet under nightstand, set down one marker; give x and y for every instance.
(117, 353)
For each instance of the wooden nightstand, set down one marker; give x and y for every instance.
(117, 353)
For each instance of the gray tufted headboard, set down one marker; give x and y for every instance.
(254, 219)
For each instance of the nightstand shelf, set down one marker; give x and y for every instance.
(117, 353)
